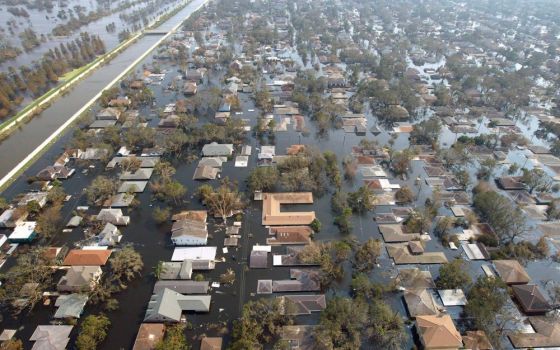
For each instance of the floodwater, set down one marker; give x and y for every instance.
(24, 140)
(43, 22)
(153, 241)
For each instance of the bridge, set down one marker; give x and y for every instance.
(156, 32)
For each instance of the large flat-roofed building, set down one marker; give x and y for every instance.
(272, 214)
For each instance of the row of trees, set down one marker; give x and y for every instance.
(37, 79)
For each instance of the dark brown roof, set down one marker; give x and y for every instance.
(531, 299)
(510, 183)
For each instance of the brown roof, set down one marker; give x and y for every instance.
(438, 332)
(401, 255)
(295, 149)
(531, 299)
(476, 340)
(289, 235)
(78, 257)
(547, 334)
(511, 271)
(149, 334)
(272, 215)
(415, 278)
(420, 302)
(211, 343)
(510, 183)
(393, 233)
(195, 215)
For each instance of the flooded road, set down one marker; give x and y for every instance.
(28, 137)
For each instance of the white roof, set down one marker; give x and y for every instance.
(458, 211)
(385, 184)
(241, 161)
(23, 230)
(94, 247)
(473, 251)
(277, 260)
(452, 297)
(262, 248)
(194, 253)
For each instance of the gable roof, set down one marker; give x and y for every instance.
(168, 305)
(438, 332)
(79, 257)
(50, 337)
(70, 305)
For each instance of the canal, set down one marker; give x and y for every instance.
(28, 137)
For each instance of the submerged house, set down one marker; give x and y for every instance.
(189, 232)
(51, 337)
(168, 306)
(79, 279)
(272, 214)
(438, 332)
(24, 232)
(215, 149)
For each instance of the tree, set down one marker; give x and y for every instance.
(385, 327)
(487, 168)
(453, 275)
(92, 332)
(161, 215)
(362, 200)
(131, 164)
(400, 162)
(171, 191)
(487, 299)
(263, 179)
(367, 254)
(31, 268)
(343, 221)
(552, 211)
(315, 225)
(342, 324)
(363, 287)
(174, 339)
(56, 195)
(3, 204)
(463, 178)
(126, 265)
(164, 170)
(506, 218)
(536, 179)
(224, 200)
(12, 344)
(49, 221)
(418, 221)
(426, 132)
(261, 322)
(101, 189)
(228, 277)
(404, 195)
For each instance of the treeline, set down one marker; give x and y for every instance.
(29, 39)
(18, 12)
(37, 79)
